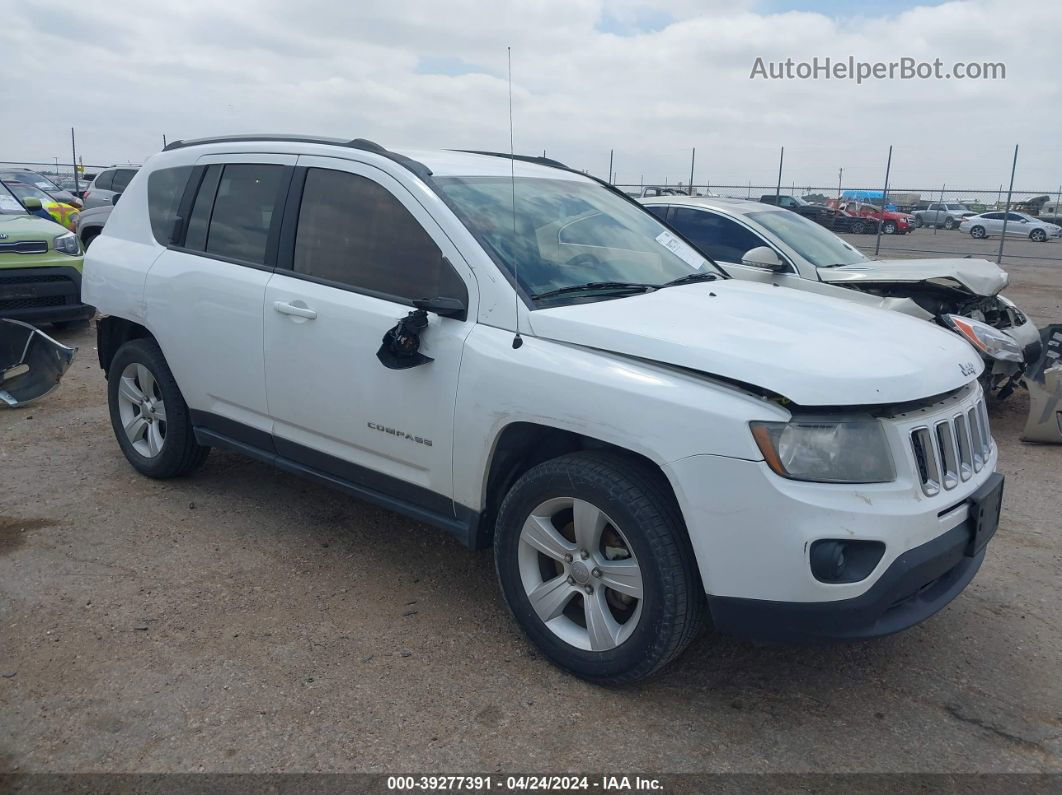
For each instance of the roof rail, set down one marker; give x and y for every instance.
(363, 144)
(542, 161)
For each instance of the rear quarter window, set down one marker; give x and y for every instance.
(103, 181)
(165, 189)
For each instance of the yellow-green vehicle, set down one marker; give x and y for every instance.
(40, 267)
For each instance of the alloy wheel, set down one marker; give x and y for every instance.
(580, 574)
(142, 410)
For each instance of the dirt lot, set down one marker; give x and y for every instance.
(246, 620)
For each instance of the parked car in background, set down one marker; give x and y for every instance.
(892, 222)
(1051, 212)
(41, 182)
(753, 241)
(946, 215)
(1017, 225)
(40, 267)
(91, 222)
(839, 221)
(640, 439)
(108, 184)
(63, 214)
(816, 212)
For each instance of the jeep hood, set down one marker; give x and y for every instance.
(814, 350)
(979, 276)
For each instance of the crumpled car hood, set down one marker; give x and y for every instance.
(979, 276)
(816, 351)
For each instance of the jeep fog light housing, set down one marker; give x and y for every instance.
(841, 561)
(988, 340)
(826, 452)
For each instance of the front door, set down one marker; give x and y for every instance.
(361, 249)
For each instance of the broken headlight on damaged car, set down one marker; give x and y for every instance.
(990, 341)
(853, 451)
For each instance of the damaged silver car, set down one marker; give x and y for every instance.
(31, 362)
(762, 243)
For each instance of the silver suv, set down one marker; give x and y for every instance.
(107, 185)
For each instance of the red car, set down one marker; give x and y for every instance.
(892, 222)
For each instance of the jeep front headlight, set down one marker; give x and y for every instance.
(827, 452)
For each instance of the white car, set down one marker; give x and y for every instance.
(1018, 225)
(762, 243)
(640, 438)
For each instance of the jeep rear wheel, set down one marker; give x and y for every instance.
(594, 562)
(148, 414)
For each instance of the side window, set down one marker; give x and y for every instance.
(351, 230)
(993, 216)
(104, 180)
(122, 178)
(659, 210)
(165, 189)
(720, 238)
(234, 209)
(1014, 217)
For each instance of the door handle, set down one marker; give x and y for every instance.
(292, 309)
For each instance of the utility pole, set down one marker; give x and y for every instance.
(610, 151)
(164, 140)
(73, 159)
(1006, 212)
(693, 159)
(778, 187)
(840, 173)
(884, 201)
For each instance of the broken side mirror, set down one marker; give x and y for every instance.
(763, 257)
(443, 307)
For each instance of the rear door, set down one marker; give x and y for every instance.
(358, 248)
(205, 292)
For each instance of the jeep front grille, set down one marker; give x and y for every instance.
(951, 450)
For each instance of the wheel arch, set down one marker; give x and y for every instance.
(521, 445)
(112, 333)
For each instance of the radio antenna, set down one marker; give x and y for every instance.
(517, 340)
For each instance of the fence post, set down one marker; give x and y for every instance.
(73, 159)
(610, 151)
(936, 215)
(778, 187)
(1006, 212)
(693, 159)
(884, 201)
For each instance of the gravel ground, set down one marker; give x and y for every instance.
(245, 620)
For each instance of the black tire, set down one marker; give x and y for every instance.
(949, 223)
(1038, 236)
(639, 499)
(889, 228)
(858, 228)
(180, 454)
(86, 241)
(978, 232)
(917, 222)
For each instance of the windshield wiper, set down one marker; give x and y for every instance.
(612, 287)
(691, 278)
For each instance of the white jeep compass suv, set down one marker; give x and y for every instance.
(522, 356)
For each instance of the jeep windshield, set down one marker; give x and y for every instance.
(9, 205)
(820, 247)
(570, 240)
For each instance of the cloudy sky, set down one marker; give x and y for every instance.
(650, 79)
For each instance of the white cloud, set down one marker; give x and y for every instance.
(125, 73)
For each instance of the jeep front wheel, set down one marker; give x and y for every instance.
(594, 562)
